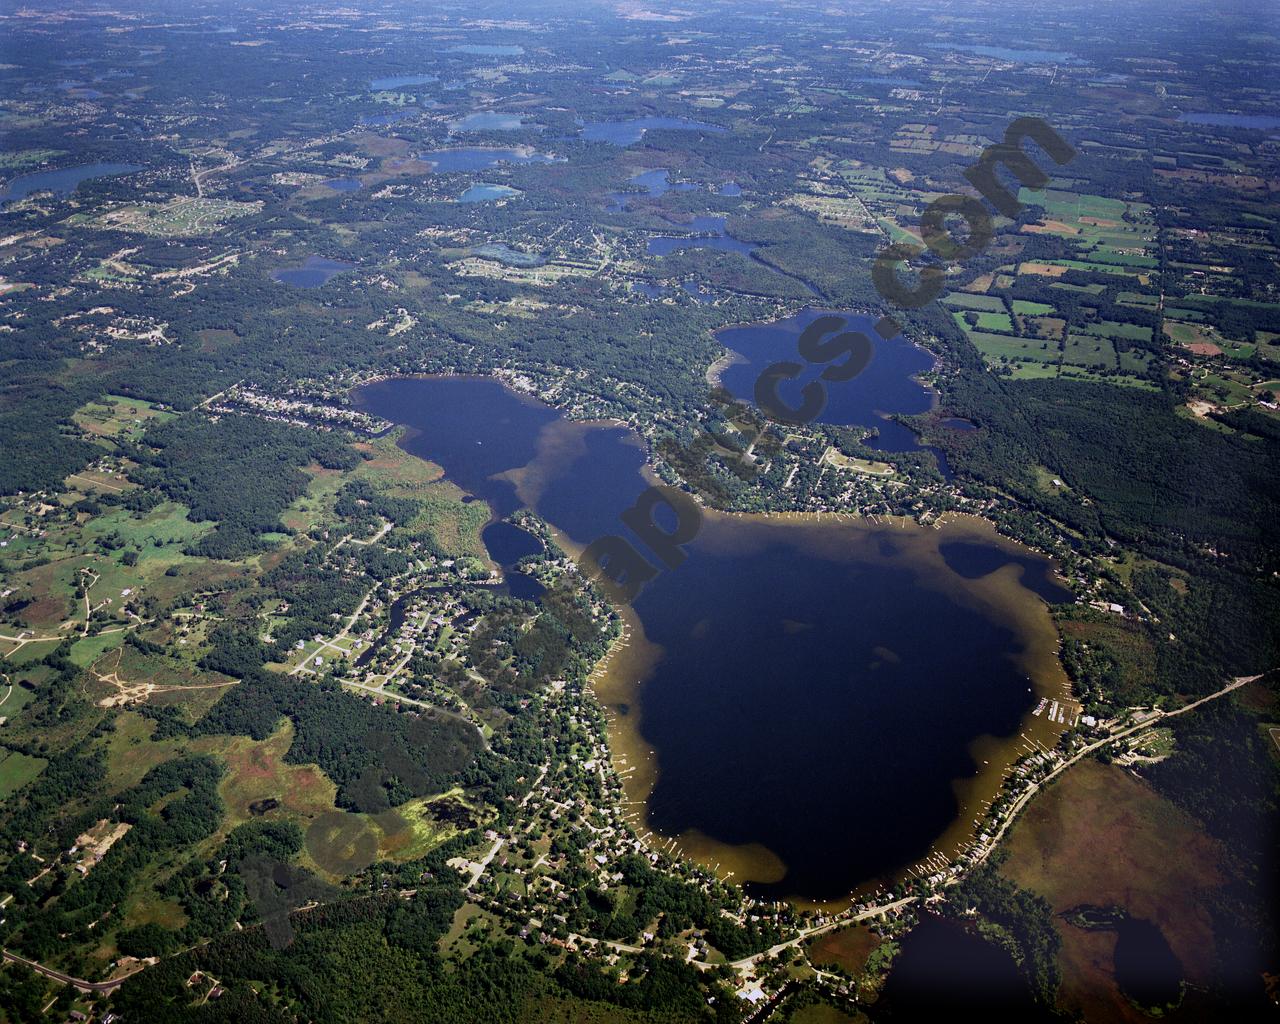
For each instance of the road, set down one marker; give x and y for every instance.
(101, 987)
(1157, 716)
(400, 698)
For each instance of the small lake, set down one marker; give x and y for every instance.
(1261, 121)
(886, 386)
(342, 184)
(465, 158)
(944, 972)
(506, 544)
(1147, 970)
(625, 133)
(650, 184)
(314, 272)
(400, 82)
(488, 121)
(706, 233)
(61, 182)
(800, 702)
(486, 193)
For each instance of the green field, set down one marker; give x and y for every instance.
(984, 303)
(115, 416)
(16, 770)
(1111, 329)
(1083, 350)
(1023, 307)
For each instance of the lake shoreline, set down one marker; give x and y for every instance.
(618, 681)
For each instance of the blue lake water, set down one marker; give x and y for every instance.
(654, 183)
(649, 291)
(1262, 121)
(624, 133)
(714, 237)
(485, 193)
(400, 81)
(806, 680)
(315, 271)
(506, 544)
(477, 159)
(61, 182)
(886, 386)
(488, 121)
(730, 188)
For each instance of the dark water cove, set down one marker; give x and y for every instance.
(945, 970)
(973, 561)
(314, 272)
(886, 386)
(818, 685)
(61, 182)
(507, 544)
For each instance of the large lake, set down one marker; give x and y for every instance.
(806, 704)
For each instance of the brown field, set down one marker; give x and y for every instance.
(1203, 348)
(847, 948)
(979, 285)
(1042, 269)
(379, 145)
(1104, 837)
(1051, 227)
(1048, 327)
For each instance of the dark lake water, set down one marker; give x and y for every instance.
(1147, 970)
(973, 561)
(945, 972)
(817, 686)
(484, 193)
(624, 133)
(400, 81)
(488, 121)
(314, 271)
(61, 182)
(343, 184)
(648, 183)
(885, 386)
(713, 236)
(477, 159)
(507, 544)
